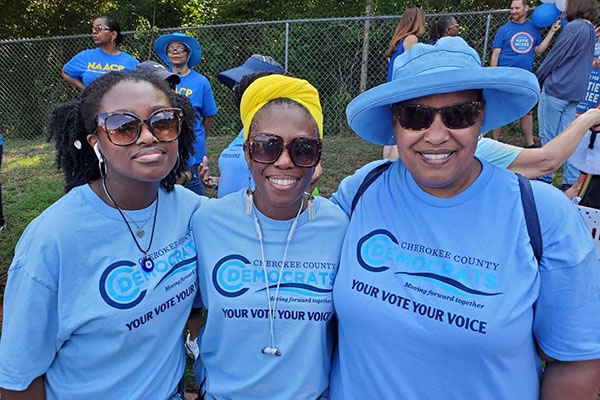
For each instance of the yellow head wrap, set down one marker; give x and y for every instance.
(271, 87)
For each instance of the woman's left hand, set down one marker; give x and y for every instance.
(211, 182)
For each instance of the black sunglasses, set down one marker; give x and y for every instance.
(266, 148)
(124, 128)
(417, 117)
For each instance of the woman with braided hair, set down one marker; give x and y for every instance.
(102, 281)
(445, 26)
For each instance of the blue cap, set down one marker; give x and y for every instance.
(159, 70)
(449, 65)
(255, 63)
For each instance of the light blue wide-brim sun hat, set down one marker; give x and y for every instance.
(160, 47)
(448, 66)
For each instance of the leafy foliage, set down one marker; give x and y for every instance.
(42, 18)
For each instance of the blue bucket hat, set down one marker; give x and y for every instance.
(448, 66)
(160, 47)
(255, 63)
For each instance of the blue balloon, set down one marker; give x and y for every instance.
(544, 15)
(563, 22)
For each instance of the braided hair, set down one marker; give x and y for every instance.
(71, 122)
(439, 28)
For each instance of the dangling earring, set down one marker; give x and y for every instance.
(249, 197)
(100, 161)
(311, 206)
(479, 137)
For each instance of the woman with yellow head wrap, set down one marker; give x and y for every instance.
(265, 276)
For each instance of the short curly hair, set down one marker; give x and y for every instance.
(74, 120)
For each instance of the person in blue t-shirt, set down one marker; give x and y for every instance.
(102, 282)
(89, 65)
(267, 257)
(441, 276)
(182, 52)
(515, 45)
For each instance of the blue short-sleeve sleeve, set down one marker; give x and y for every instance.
(499, 38)
(498, 153)
(567, 313)
(345, 193)
(76, 66)
(29, 339)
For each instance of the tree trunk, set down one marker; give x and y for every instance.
(364, 64)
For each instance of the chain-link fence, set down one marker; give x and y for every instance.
(333, 54)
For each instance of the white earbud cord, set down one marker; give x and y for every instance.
(271, 348)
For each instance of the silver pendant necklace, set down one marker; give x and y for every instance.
(271, 349)
(147, 264)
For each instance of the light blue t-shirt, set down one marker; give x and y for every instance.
(433, 290)
(517, 44)
(196, 87)
(91, 64)
(495, 152)
(234, 168)
(232, 288)
(79, 308)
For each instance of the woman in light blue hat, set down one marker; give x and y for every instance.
(458, 274)
(182, 52)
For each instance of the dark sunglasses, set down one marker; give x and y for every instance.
(124, 128)
(266, 148)
(417, 117)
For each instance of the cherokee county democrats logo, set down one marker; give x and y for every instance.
(379, 251)
(233, 276)
(124, 284)
(521, 42)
